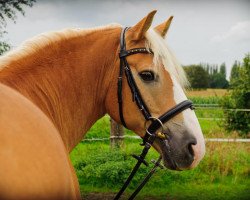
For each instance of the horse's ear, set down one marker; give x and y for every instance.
(163, 28)
(138, 31)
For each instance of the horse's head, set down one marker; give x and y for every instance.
(160, 81)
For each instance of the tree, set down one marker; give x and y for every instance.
(197, 76)
(234, 75)
(4, 47)
(8, 9)
(218, 80)
(223, 69)
(239, 98)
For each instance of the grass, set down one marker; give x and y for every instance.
(207, 93)
(208, 96)
(205, 100)
(223, 174)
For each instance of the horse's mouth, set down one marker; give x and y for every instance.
(167, 155)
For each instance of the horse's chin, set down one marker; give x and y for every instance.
(166, 154)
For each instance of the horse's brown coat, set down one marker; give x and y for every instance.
(68, 80)
(33, 159)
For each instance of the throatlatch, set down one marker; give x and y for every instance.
(156, 123)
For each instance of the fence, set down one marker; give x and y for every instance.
(217, 106)
(117, 131)
(139, 138)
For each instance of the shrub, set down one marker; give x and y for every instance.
(107, 169)
(239, 98)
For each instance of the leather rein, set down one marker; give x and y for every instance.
(156, 123)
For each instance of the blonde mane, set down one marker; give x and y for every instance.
(45, 40)
(163, 55)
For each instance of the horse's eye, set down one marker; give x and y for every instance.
(147, 76)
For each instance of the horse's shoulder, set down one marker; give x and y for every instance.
(34, 161)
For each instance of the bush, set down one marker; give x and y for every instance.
(107, 169)
(239, 98)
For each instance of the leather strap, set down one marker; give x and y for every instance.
(155, 125)
(124, 66)
(140, 160)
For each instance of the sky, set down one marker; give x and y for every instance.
(208, 31)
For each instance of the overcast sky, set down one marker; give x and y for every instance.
(212, 31)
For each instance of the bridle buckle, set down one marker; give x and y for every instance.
(160, 134)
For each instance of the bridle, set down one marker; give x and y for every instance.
(156, 123)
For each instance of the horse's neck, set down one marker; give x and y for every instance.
(68, 82)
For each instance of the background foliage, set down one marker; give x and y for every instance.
(207, 76)
(8, 10)
(238, 98)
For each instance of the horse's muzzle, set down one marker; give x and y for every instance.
(177, 151)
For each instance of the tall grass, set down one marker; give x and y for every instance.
(208, 96)
(207, 93)
(205, 100)
(224, 168)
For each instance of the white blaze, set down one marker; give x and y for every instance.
(191, 124)
(163, 55)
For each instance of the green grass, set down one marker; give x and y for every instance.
(209, 113)
(206, 100)
(223, 174)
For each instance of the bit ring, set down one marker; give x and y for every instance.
(151, 119)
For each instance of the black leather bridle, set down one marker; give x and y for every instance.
(156, 123)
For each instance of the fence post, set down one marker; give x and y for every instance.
(116, 134)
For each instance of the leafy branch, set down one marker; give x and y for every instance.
(9, 10)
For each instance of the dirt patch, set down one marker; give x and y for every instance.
(110, 196)
(98, 196)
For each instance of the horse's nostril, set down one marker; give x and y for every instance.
(190, 148)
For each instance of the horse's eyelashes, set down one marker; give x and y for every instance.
(147, 76)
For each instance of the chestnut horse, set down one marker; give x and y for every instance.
(57, 85)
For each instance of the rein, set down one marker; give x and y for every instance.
(156, 123)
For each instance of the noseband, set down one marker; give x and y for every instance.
(156, 123)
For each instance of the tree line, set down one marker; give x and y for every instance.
(206, 75)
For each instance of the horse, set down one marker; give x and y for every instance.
(55, 86)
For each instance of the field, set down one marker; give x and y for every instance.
(207, 93)
(223, 173)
